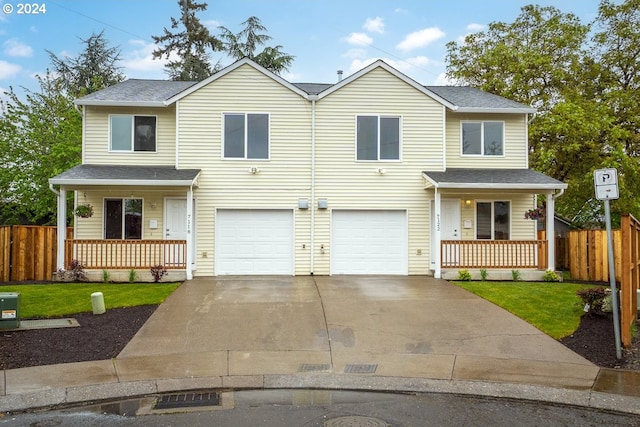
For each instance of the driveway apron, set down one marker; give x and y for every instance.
(415, 326)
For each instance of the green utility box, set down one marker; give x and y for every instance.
(9, 310)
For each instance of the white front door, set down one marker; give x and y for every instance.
(175, 218)
(450, 209)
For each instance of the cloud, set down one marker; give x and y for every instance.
(8, 70)
(13, 47)
(375, 25)
(139, 62)
(474, 28)
(442, 80)
(407, 66)
(355, 53)
(420, 39)
(212, 24)
(401, 10)
(358, 39)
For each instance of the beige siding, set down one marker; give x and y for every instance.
(282, 179)
(350, 184)
(96, 137)
(515, 147)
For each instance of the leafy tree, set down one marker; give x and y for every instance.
(192, 45)
(40, 137)
(583, 90)
(93, 69)
(245, 44)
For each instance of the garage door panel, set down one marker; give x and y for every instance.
(369, 242)
(254, 241)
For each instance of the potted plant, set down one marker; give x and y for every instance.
(536, 214)
(84, 211)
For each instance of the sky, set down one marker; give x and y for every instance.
(323, 35)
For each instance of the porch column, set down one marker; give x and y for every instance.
(438, 236)
(551, 233)
(62, 227)
(190, 233)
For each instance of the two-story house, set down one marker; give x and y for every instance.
(246, 173)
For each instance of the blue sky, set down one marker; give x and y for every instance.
(323, 35)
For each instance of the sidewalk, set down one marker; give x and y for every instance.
(408, 334)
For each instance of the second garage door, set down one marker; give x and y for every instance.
(368, 242)
(254, 241)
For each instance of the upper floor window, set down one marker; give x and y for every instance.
(377, 138)
(123, 219)
(493, 220)
(483, 138)
(246, 136)
(132, 133)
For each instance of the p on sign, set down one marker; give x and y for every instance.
(606, 184)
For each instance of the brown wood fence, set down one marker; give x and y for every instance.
(584, 253)
(28, 252)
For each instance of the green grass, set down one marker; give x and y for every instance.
(554, 308)
(64, 299)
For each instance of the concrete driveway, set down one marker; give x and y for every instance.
(416, 327)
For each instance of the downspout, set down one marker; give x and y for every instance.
(313, 181)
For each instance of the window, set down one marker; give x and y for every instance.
(246, 136)
(493, 220)
(123, 219)
(483, 138)
(132, 133)
(377, 138)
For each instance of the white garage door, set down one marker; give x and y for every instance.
(369, 242)
(254, 242)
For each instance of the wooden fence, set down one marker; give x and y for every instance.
(584, 253)
(28, 252)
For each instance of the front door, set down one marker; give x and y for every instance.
(175, 214)
(450, 209)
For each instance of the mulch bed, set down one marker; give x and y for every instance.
(104, 336)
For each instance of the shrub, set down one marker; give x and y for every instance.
(515, 274)
(483, 274)
(158, 272)
(75, 273)
(133, 276)
(550, 276)
(464, 275)
(593, 298)
(106, 277)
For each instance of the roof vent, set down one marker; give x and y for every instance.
(339, 75)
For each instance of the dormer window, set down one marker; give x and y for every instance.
(132, 133)
(483, 138)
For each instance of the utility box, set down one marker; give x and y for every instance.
(9, 310)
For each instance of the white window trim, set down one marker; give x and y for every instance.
(133, 130)
(104, 217)
(245, 158)
(482, 154)
(379, 116)
(493, 225)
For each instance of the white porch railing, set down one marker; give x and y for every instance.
(494, 254)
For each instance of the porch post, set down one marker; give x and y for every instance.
(438, 237)
(551, 233)
(189, 266)
(62, 227)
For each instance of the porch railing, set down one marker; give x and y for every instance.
(127, 254)
(494, 254)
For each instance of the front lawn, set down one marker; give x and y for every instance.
(64, 299)
(554, 308)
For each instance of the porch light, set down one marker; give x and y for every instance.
(467, 202)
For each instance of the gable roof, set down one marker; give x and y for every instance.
(162, 93)
(492, 179)
(113, 175)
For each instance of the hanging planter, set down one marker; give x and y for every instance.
(83, 211)
(536, 214)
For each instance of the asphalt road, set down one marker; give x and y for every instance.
(310, 408)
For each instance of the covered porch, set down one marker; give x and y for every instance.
(478, 221)
(140, 217)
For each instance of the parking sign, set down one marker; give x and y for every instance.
(606, 184)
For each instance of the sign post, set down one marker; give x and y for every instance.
(606, 186)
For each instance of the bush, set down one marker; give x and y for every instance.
(106, 277)
(158, 272)
(550, 276)
(515, 274)
(75, 273)
(483, 274)
(464, 275)
(593, 298)
(133, 276)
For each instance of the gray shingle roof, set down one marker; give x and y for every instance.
(466, 97)
(312, 88)
(126, 175)
(492, 178)
(136, 91)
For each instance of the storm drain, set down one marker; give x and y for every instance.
(314, 367)
(360, 369)
(188, 400)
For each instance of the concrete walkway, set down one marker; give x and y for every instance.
(374, 333)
